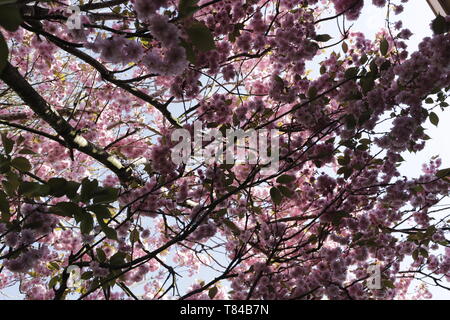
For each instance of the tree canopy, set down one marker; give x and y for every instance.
(93, 205)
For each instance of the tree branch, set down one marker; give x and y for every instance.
(105, 73)
(16, 81)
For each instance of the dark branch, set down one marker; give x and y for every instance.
(16, 81)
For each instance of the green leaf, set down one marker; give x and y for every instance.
(87, 222)
(66, 209)
(118, 258)
(417, 188)
(57, 186)
(53, 282)
(434, 119)
(4, 52)
(8, 144)
(350, 121)
(232, 36)
(276, 195)
(87, 275)
(343, 161)
(101, 255)
(415, 254)
(344, 47)
(116, 9)
(429, 100)
(373, 67)
(430, 231)
(4, 205)
(338, 216)
(439, 25)
(346, 171)
(10, 186)
(200, 36)
(388, 284)
(351, 73)
(278, 79)
(385, 65)
(10, 17)
(285, 179)
(27, 151)
(367, 84)
(443, 173)
(323, 37)
(5, 165)
(134, 236)
(33, 189)
(53, 265)
(364, 141)
(109, 232)
(312, 92)
(363, 59)
(21, 163)
(423, 252)
(71, 189)
(88, 189)
(212, 292)
(220, 213)
(234, 228)
(364, 117)
(286, 191)
(187, 8)
(190, 54)
(105, 195)
(384, 47)
(101, 211)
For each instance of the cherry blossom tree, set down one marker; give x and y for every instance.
(92, 91)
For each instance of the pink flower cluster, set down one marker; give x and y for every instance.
(351, 8)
